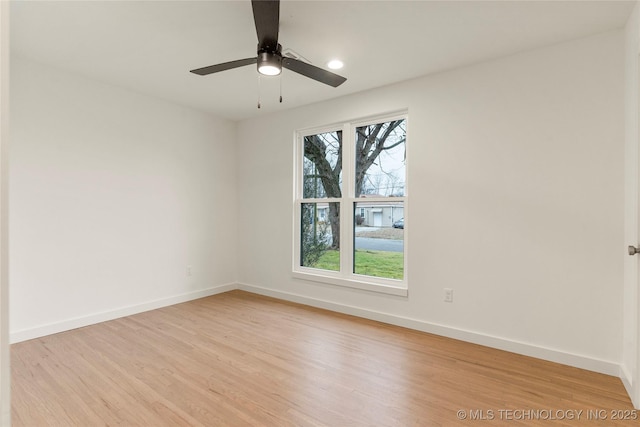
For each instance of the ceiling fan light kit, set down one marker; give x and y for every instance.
(269, 64)
(266, 15)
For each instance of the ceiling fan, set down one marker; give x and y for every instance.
(266, 15)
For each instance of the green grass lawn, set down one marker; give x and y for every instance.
(371, 263)
(330, 260)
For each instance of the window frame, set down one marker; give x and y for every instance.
(345, 276)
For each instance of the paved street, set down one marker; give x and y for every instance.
(379, 244)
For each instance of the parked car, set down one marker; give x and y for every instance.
(399, 223)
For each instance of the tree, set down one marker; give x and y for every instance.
(395, 185)
(373, 140)
(324, 151)
(314, 236)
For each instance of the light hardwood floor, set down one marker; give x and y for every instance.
(239, 359)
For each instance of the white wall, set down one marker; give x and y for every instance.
(5, 372)
(516, 202)
(112, 195)
(631, 306)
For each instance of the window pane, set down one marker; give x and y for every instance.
(380, 159)
(378, 240)
(322, 165)
(320, 235)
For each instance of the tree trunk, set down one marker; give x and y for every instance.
(334, 219)
(315, 150)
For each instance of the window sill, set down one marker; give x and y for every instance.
(389, 289)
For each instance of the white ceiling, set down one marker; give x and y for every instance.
(149, 46)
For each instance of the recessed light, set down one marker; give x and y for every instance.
(335, 64)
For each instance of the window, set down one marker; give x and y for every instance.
(350, 205)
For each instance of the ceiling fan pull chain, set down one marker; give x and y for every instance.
(259, 90)
(280, 78)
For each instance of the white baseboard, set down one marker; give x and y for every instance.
(552, 355)
(79, 322)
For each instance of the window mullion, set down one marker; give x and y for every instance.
(346, 209)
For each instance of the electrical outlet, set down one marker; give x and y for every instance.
(448, 295)
(189, 271)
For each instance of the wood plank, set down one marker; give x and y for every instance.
(240, 359)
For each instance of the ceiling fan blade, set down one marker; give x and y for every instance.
(313, 72)
(266, 15)
(224, 66)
